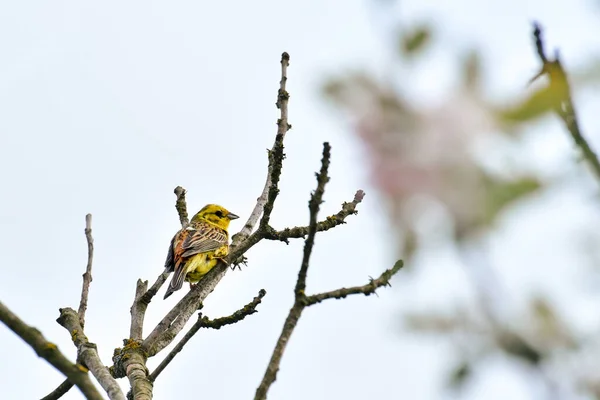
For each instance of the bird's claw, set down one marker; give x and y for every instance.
(238, 262)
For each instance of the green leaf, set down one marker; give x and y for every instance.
(500, 194)
(460, 375)
(471, 69)
(415, 41)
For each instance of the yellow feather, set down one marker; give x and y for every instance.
(199, 265)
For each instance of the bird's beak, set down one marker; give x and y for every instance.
(232, 216)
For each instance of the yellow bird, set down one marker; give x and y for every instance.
(196, 249)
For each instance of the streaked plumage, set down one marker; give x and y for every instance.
(196, 249)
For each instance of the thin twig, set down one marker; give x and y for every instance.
(88, 354)
(204, 322)
(314, 205)
(330, 222)
(368, 289)
(85, 290)
(162, 278)
(181, 206)
(49, 352)
(87, 276)
(138, 311)
(300, 298)
(561, 90)
(60, 391)
(264, 203)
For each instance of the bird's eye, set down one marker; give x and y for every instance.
(219, 214)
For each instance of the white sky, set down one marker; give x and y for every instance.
(106, 108)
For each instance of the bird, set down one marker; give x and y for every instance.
(196, 249)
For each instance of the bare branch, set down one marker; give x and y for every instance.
(87, 276)
(138, 310)
(49, 352)
(237, 316)
(299, 302)
(313, 205)
(302, 301)
(330, 222)
(88, 354)
(561, 90)
(368, 289)
(60, 391)
(204, 322)
(85, 289)
(181, 206)
(137, 373)
(162, 278)
(264, 204)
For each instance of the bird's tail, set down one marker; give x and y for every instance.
(176, 281)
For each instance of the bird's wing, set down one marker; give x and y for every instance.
(203, 238)
(188, 242)
(170, 261)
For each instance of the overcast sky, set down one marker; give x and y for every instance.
(107, 107)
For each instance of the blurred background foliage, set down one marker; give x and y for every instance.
(427, 159)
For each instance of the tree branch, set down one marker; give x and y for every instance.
(265, 202)
(87, 353)
(561, 90)
(138, 311)
(330, 222)
(368, 289)
(181, 206)
(49, 352)
(87, 276)
(205, 322)
(299, 302)
(160, 280)
(65, 386)
(60, 391)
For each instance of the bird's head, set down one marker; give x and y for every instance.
(215, 214)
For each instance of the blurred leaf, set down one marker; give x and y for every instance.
(333, 88)
(415, 41)
(430, 323)
(471, 69)
(516, 346)
(549, 329)
(440, 323)
(537, 105)
(543, 311)
(459, 375)
(500, 194)
(409, 245)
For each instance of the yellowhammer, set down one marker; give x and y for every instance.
(196, 249)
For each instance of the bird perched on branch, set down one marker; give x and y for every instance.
(196, 249)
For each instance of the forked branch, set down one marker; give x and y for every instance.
(75, 373)
(301, 300)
